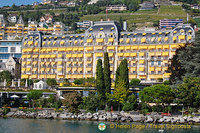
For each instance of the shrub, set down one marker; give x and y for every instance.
(6, 110)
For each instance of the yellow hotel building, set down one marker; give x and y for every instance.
(20, 30)
(75, 56)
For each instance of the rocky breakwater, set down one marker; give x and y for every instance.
(105, 116)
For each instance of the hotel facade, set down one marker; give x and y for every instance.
(75, 56)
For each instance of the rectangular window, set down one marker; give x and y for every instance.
(13, 49)
(4, 49)
(159, 63)
(152, 63)
(4, 56)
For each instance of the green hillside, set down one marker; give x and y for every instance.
(142, 17)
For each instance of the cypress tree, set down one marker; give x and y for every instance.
(117, 76)
(123, 72)
(100, 79)
(107, 79)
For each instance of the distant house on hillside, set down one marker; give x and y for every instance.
(35, 3)
(47, 18)
(116, 8)
(195, 7)
(147, 5)
(170, 23)
(162, 2)
(48, 1)
(12, 18)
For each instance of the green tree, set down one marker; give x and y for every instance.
(130, 103)
(106, 71)
(188, 93)
(72, 101)
(134, 82)
(117, 76)
(91, 102)
(34, 95)
(66, 82)
(5, 75)
(123, 72)
(120, 93)
(78, 81)
(159, 94)
(100, 80)
(51, 83)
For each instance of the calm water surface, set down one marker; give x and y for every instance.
(14, 125)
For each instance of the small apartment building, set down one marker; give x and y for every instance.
(9, 48)
(13, 65)
(116, 8)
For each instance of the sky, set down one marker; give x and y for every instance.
(17, 2)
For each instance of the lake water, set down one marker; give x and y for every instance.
(15, 125)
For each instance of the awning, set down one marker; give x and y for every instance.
(68, 49)
(166, 39)
(141, 54)
(60, 56)
(158, 46)
(120, 54)
(165, 46)
(111, 48)
(81, 49)
(181, 37)
(110, 54)
(126, 54)
(143, 47)
(88, 55)
(133, 54)
(35, 56)
(111, 40)
(143, 40)
(99, 47)
(189, 37)
(34, 69)
(74, 55)
(89, 48)
(158, 53)
(80, 55)
(53, 56)
(141, 61)
(68, 55)
(128, 40)
(121, 40)
(61, 49)
(151, 69)
(42, 56)
(151, 47)
(100, 40)
(141, 69)
(59, 63)
(99, 54)
(151, 53)
(121, 48)
(89, 40)
(165, 53)
(134, 47)
(159, 39)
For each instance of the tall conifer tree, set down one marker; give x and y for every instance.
(107, 79)
(100, 80)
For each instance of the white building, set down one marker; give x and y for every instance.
(10, 48)
(40, 85)
(12, 18)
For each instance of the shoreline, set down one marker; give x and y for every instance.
(103, 116)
